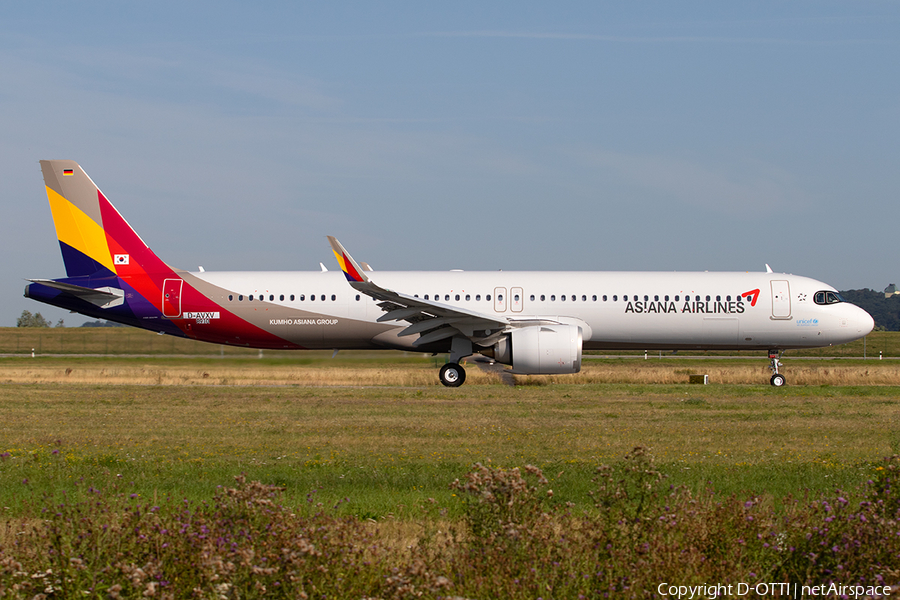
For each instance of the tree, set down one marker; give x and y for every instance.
(32, 320)
(60, 323)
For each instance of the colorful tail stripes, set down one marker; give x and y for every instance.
(94, 238)
(352, 271)
(113, 274)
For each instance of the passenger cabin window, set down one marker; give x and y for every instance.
(292, 297)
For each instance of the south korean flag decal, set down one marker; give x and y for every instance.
(121, 259)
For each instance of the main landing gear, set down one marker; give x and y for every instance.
(777, 379)
(451, 374)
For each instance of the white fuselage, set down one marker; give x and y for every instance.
(616, 310)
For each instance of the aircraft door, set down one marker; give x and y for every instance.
(500, 299)
(516, 299)
(171, 299)
(781, 300)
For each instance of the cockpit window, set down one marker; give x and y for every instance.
(828, 298)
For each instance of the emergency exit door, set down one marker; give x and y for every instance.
(781, 300)
(171, 299)
(500, 299)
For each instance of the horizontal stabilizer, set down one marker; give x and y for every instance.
(105, 297)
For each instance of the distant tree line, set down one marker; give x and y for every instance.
(885, 311)
(35, 320)
(99, 323)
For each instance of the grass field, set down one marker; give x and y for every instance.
(185, 426)
(373, 439)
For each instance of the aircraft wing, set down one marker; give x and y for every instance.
(433, 321)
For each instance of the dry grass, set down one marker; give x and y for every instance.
(115, 372)
(798, 372)
(424, 373)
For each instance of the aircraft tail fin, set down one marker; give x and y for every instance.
(94, 238)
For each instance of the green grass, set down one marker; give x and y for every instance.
(124, 490)
(388, 450)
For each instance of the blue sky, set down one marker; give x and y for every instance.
(564, 136)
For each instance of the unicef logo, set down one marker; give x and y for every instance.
(807, 322)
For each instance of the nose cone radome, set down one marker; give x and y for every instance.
(864, 322)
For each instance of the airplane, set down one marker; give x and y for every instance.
(535, 322)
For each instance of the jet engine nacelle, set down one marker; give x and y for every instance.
(541, 350)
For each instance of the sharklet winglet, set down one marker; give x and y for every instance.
(352, 271)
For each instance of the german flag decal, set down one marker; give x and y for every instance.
(68, 172)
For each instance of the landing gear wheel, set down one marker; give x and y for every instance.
(778, 379)
(452, 375)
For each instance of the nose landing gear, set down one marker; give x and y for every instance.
(777, 379)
